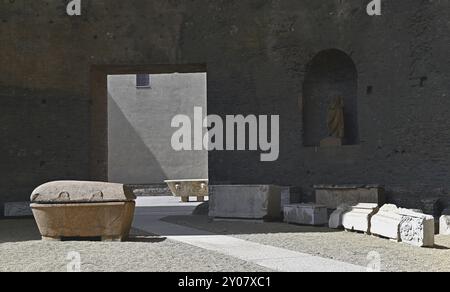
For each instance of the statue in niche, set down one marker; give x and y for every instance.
(335, 123)
(335, 118)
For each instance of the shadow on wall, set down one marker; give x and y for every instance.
(134, 154)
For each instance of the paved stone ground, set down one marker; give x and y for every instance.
(150, 211)
(21, 250)
(339, 245)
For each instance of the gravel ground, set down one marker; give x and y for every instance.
(21, 250)
(340, 245)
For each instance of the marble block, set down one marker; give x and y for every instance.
(306, 214)
(386, 223)
(444, 222)
(245, 201)
(333, 196)
(416, 228)
(289, 195)
(358, 218)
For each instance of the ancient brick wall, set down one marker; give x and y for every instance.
(256, 52)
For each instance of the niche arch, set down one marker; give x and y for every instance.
(331, 73)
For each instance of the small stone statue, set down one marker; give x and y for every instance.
(335, 118)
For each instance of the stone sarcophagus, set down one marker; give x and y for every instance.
(358, 217)
(245, 202)
(189, 188)
(334, 196)
(306, 214)
(76, 209)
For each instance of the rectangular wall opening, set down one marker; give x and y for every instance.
(132, 110)
(140, 111)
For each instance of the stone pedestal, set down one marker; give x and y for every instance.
(70, 209)
(333, 196)
(245, 202)
(358, 218)
(336, 217)
(189, 188)
(306, 214)
(331, 142)
(416, 229)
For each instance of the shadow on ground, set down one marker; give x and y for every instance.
(21, 230)
(138, 235)
(18, 230)
(242, 227)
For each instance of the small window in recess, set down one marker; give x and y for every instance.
(143, 81)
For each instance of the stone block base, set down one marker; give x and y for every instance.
(108, 221)
(245, 201)
(306, 214)
(189, 188)
(331, 142)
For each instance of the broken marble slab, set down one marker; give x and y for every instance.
(444, 222)
(417, 228)
(306, 214)
(358, 218)
(386, 223)
(404, 225)
(336, 217)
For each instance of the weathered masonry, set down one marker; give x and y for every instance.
(285, 57)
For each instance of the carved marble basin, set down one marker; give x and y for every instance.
(186, 188)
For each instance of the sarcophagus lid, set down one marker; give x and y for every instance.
(67, 192)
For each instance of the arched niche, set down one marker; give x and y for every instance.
(331, 73)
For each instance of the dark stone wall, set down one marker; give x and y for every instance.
(256, 52)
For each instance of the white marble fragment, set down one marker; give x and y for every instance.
(306, 214)
(386, 222)
(444, 223)
(335, 221)
(416, 228)
(358, 218)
